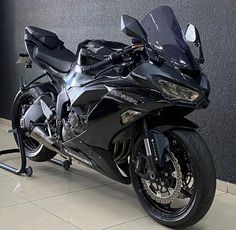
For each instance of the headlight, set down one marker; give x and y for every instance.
(178, 92)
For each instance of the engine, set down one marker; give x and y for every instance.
(73, 125)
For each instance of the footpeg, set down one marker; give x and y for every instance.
(10, 130)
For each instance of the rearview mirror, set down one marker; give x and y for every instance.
(191, 33)
(132, 28)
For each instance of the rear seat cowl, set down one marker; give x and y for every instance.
(47, 38)
(38, 32)
(47, 50)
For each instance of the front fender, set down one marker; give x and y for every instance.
(159, 141)
(180, 123)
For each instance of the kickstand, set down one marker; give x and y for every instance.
(23, 168)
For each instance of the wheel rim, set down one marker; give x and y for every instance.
(188, 194)
(31, 146)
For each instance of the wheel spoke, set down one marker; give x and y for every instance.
(186, 193)
(152, 187)
(174, 174)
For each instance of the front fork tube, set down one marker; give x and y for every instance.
(149, 154)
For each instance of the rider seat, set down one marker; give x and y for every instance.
(47, 50)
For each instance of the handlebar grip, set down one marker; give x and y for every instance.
(97, 65)
(114, 58)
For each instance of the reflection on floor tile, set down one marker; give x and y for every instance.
(42, 186)
(91, 174)
(123, 188)
(28, 216)
(9, 198)
(149, 224)
(105, 205)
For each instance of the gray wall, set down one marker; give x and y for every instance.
(75, 21)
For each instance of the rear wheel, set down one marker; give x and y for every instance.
(184, 189)
(33, 149)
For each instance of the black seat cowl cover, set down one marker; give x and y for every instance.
(46, 37)
(47, 49)
(38, 32)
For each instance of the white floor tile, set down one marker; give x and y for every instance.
(28, 217)
(148, 223)
(222, 214)
(8, 198)
(42, 186)
(95, 208)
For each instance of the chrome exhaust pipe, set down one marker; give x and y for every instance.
(39, 135)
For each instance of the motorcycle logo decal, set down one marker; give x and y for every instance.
(84, 160)
(88, 162)
(92, 48)
(118, 93)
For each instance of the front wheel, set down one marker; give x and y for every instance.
(184, 189)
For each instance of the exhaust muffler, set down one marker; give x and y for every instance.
(39, 135)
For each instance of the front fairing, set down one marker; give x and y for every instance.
(180, 66)
(148, 75)
(165, 35)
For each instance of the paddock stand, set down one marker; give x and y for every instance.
(23, 167)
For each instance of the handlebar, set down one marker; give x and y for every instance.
(97, 65)
(117, 58)
(114, 58)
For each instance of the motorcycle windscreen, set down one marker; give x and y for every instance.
(164, 33)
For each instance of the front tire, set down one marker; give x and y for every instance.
(203, 185)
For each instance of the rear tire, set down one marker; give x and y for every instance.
(204, 183)
(34, 151)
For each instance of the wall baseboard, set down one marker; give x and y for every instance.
(223, 186)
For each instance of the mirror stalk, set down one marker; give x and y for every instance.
(201, 59)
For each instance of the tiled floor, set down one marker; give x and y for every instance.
(83, 199)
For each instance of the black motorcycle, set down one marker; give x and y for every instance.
(121, 110)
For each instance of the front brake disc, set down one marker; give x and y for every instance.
(160, 193)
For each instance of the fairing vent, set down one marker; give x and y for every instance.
(122, 150)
